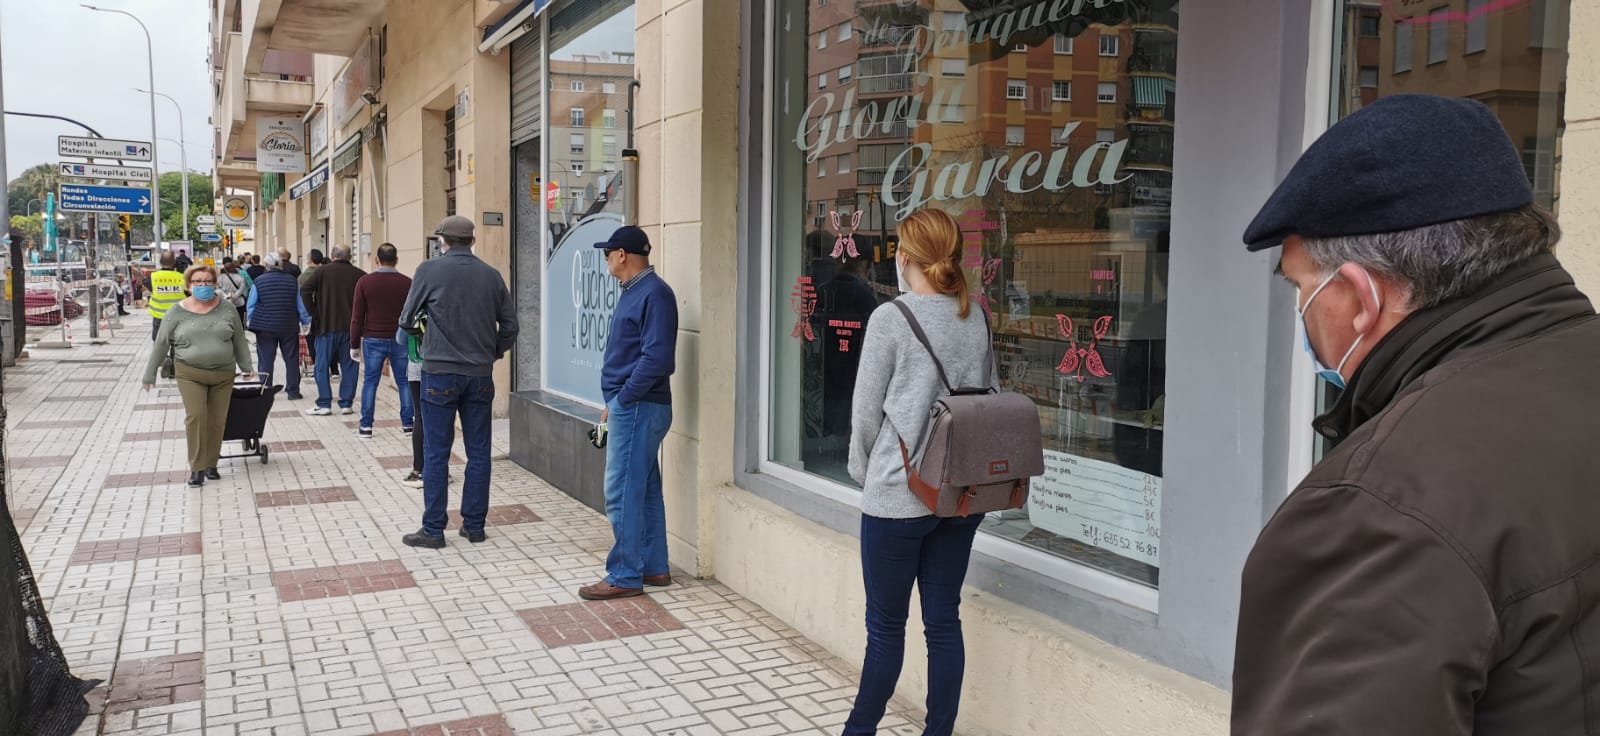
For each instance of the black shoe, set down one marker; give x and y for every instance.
(419, 539)
(213, 474)
(474, 537)
(293, 397)
(364, 433)
(405, 431)
(197, 479)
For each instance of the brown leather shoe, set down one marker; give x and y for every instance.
(604, 591)
(659, 581)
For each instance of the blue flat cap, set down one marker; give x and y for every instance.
(1403, 162)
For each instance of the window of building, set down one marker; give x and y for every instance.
(450, 160)
(1063, 44)
(1402, 46)
(1105, 135)
(822, 40)
(577, 85)
(1055, 264)
(609, 88)
(822, 80)
(1439, 35)
(576, 167)
(1368, 76)
(844, 74)
(608, 118)
(1477, 26)
(844, 31)
(577, 144)
(1370, 23)
(608, 145)
(577, 117)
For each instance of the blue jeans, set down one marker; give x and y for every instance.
(634, 505)
(330, 347)
(374, 351)
(932, 552)
(268, 346)
(443, 396)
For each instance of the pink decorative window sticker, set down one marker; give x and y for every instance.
(803, 300)
(846, 242)
(991, 269)
(1079, 359)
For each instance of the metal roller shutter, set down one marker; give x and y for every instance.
(527, 67)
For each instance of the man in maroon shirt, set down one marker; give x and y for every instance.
(374, 319)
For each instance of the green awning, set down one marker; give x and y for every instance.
(1151, 91)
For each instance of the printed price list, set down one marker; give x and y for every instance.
(1100, 504)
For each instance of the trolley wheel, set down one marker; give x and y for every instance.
(263, 455)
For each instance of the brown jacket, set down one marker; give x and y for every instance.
(1437, 572)
(329, 292)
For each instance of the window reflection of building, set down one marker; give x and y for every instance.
(592, 88)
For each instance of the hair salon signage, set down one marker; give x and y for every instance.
(280, 145)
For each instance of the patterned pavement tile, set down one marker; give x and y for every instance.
(38, 461)
(135, 548)
(305, 496)
(494, 725)
(376, 424)
(157, 681)
(592, 621)
(175, 434)
(96, 397)
(341, 580)
(403, 462)
(294, 445)
(506, 515)
(125, 480)
(56, 424)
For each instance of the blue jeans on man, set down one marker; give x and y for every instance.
(334, 346)
(634, 504)
(933, 553)
(268, 346)
(444, 395)
(374, 351)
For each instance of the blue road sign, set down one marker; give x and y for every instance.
(210, 238)
(119, 200)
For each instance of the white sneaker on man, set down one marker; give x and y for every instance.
(347, 410)
(319, 411)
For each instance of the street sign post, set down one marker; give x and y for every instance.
(120, 200)
(206, 228)
(96, 171)
(79, 147)
(205, 219)
(210, 238)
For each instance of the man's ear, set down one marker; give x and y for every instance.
(1369, 292)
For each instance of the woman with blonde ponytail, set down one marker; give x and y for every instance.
(902, 542)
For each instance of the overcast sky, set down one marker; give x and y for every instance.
(63, 59)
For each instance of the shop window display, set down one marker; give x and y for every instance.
(1064, 205)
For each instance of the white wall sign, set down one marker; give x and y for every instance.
(317, 132)
(280, 145)
(236, 210)
(1100, 504)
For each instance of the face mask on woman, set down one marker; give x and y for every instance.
(205, 292)
(900, 273)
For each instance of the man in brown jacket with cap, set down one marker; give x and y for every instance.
(1436, 572)
(329, 292)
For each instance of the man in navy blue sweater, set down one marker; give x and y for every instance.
(641, 351)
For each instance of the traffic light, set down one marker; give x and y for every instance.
(227, 239)
(124, 224)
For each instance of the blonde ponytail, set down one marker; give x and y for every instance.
(931, 239)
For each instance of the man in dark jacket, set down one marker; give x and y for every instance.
(471, 323)
(1436, 573)
(329, 292)
(278, 316)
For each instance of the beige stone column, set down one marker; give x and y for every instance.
(687, 133)
(1579, 153)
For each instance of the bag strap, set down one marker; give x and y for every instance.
(922, 337)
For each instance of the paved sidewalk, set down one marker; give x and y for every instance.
(280, 600)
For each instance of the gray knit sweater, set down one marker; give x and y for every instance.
(897, 384)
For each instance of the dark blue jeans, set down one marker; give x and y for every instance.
(444, 395)
(634, 504)
(268, 346)
(330, 347)
(374, 351)
(933, 553)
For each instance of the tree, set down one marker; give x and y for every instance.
(200, 198)
(31, 184)
(172, 220)
(31, 227)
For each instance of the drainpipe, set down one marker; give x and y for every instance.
(630, 167)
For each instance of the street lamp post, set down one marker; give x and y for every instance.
(183, 158)
(150, 60)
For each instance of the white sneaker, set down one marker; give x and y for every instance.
(347, 410)
(319, 411)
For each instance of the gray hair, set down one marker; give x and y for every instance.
(454, 242)
(270, 260)
(339, 253)
(1446, 261)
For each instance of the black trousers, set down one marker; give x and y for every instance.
(416, 431)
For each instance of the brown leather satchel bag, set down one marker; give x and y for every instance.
(981, 447)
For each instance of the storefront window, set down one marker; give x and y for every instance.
(1511, 56)
(1064, 202)
(590, 68)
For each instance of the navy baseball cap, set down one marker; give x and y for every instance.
(628, 239)
(1401, 163)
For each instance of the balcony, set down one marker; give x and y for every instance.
(885, 84)
(878, 37)
(309, 26)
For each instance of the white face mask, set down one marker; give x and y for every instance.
(900, 273)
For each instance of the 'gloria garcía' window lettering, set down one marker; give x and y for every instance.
(1064, 202)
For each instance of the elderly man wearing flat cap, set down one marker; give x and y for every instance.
(1438, 572)
(466, 318)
